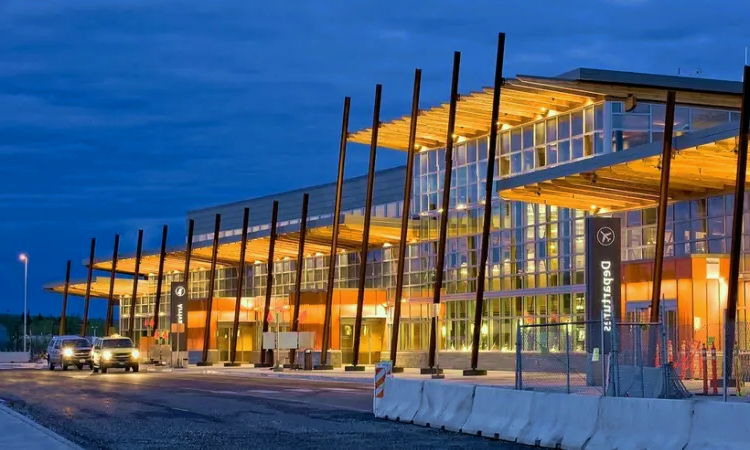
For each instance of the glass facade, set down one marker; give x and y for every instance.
(535, 271)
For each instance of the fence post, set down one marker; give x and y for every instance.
(567, 357)
(519, 347)
(615, 362)
(714, 371)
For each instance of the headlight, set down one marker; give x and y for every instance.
(136, 354)
(68, 352)
(107, 355)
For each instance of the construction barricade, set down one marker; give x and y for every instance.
(718, 425)
(401, 400)
(561, 421)
(641, 423)
(444, 405)
(499, 413)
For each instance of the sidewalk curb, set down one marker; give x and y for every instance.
(38, 427)
(293, 376)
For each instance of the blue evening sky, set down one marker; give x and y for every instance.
(120, 114)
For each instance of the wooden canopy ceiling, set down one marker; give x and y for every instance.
(383, 231)
(522, 99)
(100, 288)
(630, 179)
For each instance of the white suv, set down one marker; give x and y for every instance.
(114, 352)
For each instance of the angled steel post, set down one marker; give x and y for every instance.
(487, 219)
(299, 271)
(210, 298)
(269, 281)
(111, 298)
(366, 232)
(661, 226)
(188, 255)
(238, 299)
(739, 207)
(65, 300)
(334, 240)
(160, 276)
(87, 298)
(440, 266)
(136, 277)
(405, 220)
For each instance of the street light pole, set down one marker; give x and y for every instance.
(25, 260)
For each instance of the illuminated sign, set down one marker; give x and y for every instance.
(603, 280)
(178, 312)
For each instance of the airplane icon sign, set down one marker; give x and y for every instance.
(605, 236)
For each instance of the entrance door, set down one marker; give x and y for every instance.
(224, 341)
(370, 343)
(640, 312)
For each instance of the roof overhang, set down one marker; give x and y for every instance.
(99, 287)
(529, 98)
(704, 164)
(383, 232)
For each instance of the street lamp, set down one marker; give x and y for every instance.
(25, 259)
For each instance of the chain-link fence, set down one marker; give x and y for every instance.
(554, 357)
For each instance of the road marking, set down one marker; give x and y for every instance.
(181, 409)
(339, 389)
(300, 390)
(261, 391)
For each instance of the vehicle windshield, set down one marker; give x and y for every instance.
(117, 343)
(76, 343)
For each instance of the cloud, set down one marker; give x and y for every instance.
(125, 114)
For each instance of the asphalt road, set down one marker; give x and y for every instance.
(195, 411)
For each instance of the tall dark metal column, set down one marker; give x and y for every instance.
(405, 216)
(334, 240)
(269, 280)
(87, 298)
(299, 271)
(188, 256)
(136, 278)
(661, 226)
(160, 276)
(666, 163)
(110, 298)
(440, 266)
(366, 231)
(238, 299)
(487, 220)
(739, 208)
(64, 312)
(210, 299)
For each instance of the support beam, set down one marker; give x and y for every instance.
(334, 239)
(366, 232)
(443, 232)
(210, 298)
(487, 220)
(108, 325)
(159, 277)
(739, 207)
(134, 296)
(238, 299)
(661, 226)
(188, 256)
(87, 298)
(299, 271)
(64, 312)
(405, 214)
(269, 281)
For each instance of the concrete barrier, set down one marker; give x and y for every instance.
(401, 400)
(718, 425)
(445, 405)
(641, 423)
(499, 413)
(561, 421)
(15, 357)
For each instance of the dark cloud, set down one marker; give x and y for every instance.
(119, 115)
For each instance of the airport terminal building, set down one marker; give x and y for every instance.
(587, 142)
